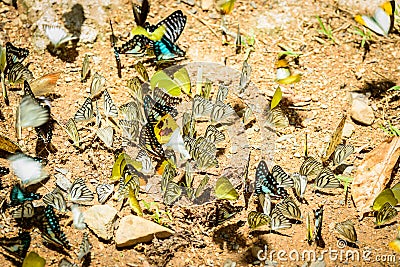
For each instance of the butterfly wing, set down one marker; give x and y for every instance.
(85, 112)
(79, 192)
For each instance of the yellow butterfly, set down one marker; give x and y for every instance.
(164, 128)
(283, 73)
(382, 21)
(154, 36)
(225, 190)
(174, 87)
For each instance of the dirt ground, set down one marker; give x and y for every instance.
(329, 72)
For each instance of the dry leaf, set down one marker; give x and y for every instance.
(374, 173)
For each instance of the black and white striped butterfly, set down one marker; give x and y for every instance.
(318, 216)
(14, 54)
(201, 107)
(96, 87)
(310, 166)
(188, 125)
(154, 110)
(55, 199)
(85, 112)
(279, 221)
(283, 179)
(25, 210)
(104, 191)
(140, 12)
(346, 229)
(85, 247)
(213, 135)
(385, 214)
(148, 141)
(326, 179)
(299, 184)
(289, 208)
(342, 152)
(110, 109)
(72, 131)
(244, 76)
(79, 192)
(19, 73)
(256, 219)
(221, 111)
(172, 193)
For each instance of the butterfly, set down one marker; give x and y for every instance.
(168, 175)
(200, 189)
(341, 153)
(85, 67)
(144, 159)
(395, 244)
(148, 141)
(104, 191)
(72, 131)
(386, 196)
(110, 110)
(202, 107)
(17, 246)
(172, 193)
(221, 111)
(224, 212)
(276, 118)
(77, 217)
(45, 132)
(279, 221)
(141, 69)
(14, 54)
(310, 167)
(244, 76)
(309, 230)
(283, 73)
(265, 182)
(382, 21)
(140, 13)
(289, 208)
(66, 263)
(106, 135)
(213, 135)
(85, 247)
(188, 125)
(26, 210)
(326, 179)
(27, 169)
(385, 214)
(57, 35)
(202, 151)
(346, 229)
(225, 190)
(318, 215)
(19, 73)
(299, 184)
(161, 96)
(172, 86)
(137, 46)
(8, 147)
(256, 219)
(18, 196)
(79, 192)
(51, 232)
(30, 113)
(55, 199)
(283, 179)
(225, 6)
(336, 139)
(155, 110)
(132, 112)
(97, 84)
(265, 202)
(166, 50)
(130, 131)
(135, 86)
(45, 84)
(85, 112)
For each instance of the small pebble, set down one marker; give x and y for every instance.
(324, 106)
(297, 155)
(68, 79)
(253, 5)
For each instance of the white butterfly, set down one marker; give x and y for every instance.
(104, 191)
(57, 35)
(30, 113)
(78, 219)
(27, 169)
(106, 135)
(177, 144)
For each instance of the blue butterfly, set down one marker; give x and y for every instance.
(17, 196)
(17, 246)
(266, 184)
(166, 50)
(52, 233)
